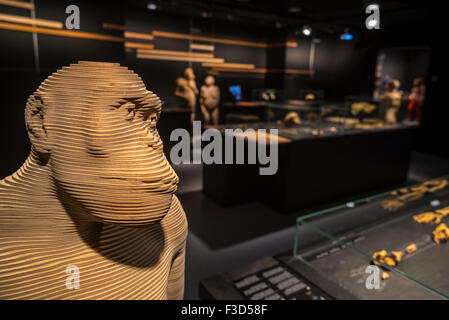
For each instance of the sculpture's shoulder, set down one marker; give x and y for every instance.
(176, 212)
(7, 202)
(175, 222)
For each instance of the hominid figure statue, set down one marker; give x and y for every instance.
(92, 213)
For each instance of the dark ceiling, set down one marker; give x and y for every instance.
(291, 13)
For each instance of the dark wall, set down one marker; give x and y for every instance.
(21, 76)
(406, 64)
(341, 68)
(55, 51)
(433, 136)
(16, 47)
(15, 89)
(18, 68)
(160, 76)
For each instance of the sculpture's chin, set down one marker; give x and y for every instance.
(129, 211)
(112, 204)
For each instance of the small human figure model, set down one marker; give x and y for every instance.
(416, 100)
(186, 90)
(209, 100)
(391, 102)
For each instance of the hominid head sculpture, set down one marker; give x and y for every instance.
(96, 192)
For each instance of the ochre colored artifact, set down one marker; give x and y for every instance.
(414, 193)
(411, 248)
(397, 256)
(441, 233)
(379, 255)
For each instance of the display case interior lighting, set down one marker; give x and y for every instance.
(306, 30)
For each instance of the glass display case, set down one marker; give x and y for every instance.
(403, 232)
(312, 150)
(310, 117)
(359, 114)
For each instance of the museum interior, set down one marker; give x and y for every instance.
(129, 132)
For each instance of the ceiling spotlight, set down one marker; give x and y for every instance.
(152, 5)
(306, 30)
(346, 35)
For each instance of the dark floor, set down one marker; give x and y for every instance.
(222, 239)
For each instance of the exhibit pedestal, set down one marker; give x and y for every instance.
(313, 170)
(265, 279)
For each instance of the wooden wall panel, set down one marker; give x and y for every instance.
(173, 35)
(17, 4)
(112, 26)
(202, 47)
(136, 35)
(30, 21)
(177, 58)
(175, 53)
(229, 65)
(60, 33)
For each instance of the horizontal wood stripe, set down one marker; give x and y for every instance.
(135, 35)
(17, 4)
(173, 35)
(107, 25)
(176, 58)
(176, 53)
(61, 33)
(31, 21)
(137, 45)
(263, 70)
(203, 47)
(229, 65)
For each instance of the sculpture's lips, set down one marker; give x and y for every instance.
(144, 181)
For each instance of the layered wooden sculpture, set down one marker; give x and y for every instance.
(96, 193)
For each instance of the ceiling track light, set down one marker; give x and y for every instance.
(306, 30)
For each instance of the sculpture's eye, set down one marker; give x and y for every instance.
(153, 120)
(130, 108)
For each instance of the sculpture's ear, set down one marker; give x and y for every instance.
(34, 118)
